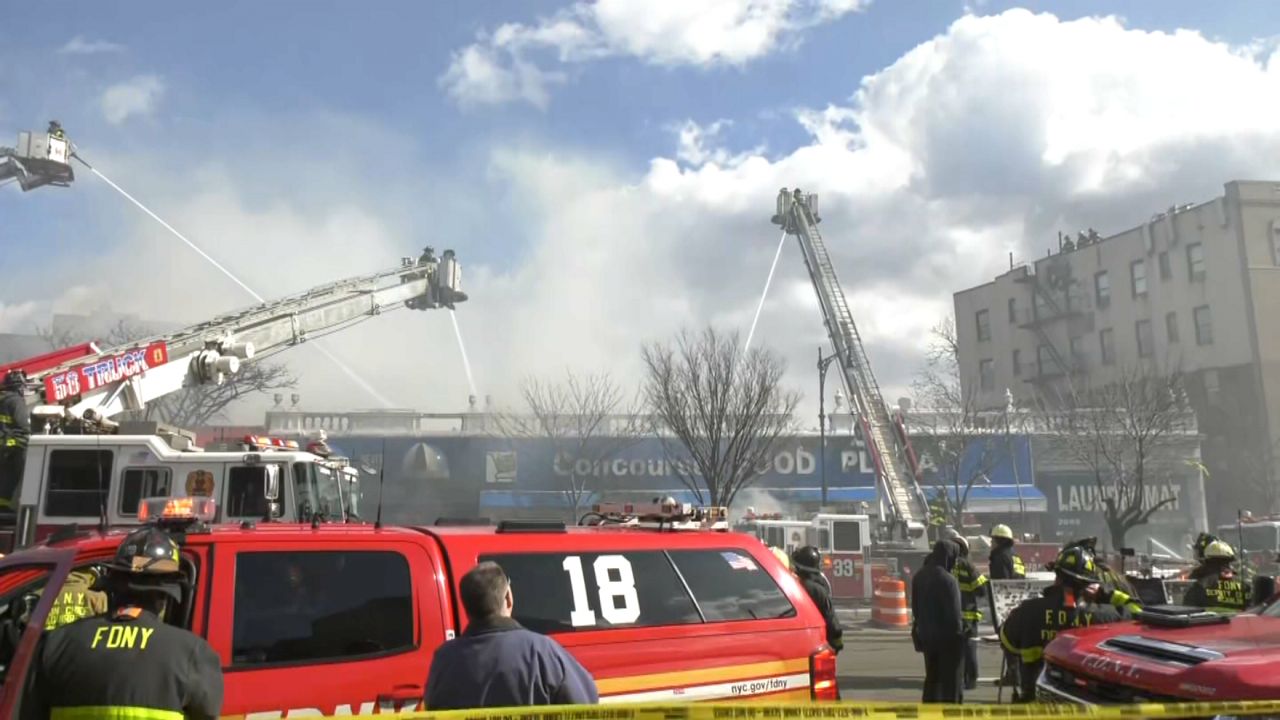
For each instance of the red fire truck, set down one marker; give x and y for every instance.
(660, 606)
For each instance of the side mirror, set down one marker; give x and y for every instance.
(271, 489)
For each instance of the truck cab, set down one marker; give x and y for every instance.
(1257, 543)
(86, 480)
(674, 613)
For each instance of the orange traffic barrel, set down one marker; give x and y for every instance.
(889, 610)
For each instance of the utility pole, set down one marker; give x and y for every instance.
(823, 362)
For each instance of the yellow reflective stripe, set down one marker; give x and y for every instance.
(110, 712)
(1028, 655)
(969, 587)
(982, 580)
(971, 615)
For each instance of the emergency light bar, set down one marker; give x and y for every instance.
(262, 442)
(183, 510)
(665, 513)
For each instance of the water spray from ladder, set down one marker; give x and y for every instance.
(769, 280)
(352, 374)
(466, 363)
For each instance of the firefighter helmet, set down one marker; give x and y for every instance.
(1002, 531)
(148, 561)
(15, 379)
(954, 536)
(807, 558)
(1203, 541)
(1076, 563)
(1218, 550)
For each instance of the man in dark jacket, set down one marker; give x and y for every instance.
(129, 663)
(1068, 603)
(807, 564)
(15, 428)
(938, 624)
(498, 663)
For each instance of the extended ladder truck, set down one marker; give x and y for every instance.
(87, 464)
(903, 507)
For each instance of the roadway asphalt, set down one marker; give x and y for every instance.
(882, 665)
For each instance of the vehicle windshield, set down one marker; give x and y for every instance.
(1257, 538)
(329, 490)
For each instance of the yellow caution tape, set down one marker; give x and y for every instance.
(842, 710)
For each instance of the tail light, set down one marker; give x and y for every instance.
(822, 675)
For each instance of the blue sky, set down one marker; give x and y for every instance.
(326, 137)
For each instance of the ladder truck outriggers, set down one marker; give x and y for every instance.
(84, 467)
(904, 511)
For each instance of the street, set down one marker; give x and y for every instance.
(882, 665)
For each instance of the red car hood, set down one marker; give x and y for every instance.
(1235, 661)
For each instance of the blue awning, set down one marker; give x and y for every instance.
(983, 499)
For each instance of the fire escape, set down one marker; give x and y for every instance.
(1055, 301)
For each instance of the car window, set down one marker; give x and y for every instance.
(848, 536)
(246, 491)
(563, 592)
(139, 483)
(320, 607)
(730, 585)
(23, 586)
(78, 482)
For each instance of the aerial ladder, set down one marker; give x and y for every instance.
(883, 432)
(87, 385)
(39, 159)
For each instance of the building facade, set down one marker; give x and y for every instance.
(1192, 290)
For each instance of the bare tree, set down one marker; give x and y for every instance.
(719, 411)
(195, 406)
(952, 433)
(1125, 432)
(589, 420)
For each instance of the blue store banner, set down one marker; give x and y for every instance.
(428, 477)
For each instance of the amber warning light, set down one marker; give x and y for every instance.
(181, 511)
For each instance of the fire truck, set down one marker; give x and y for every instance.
(85, 467)
(1257, 542)
(658, 602)
(845, 542)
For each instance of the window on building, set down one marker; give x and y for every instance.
(1171, 326)
(1077, 351)
(1204, 325)
(1017, 363)
(1145, 342)
(305, 606)
(1166, 270)
(987, 374)
(728, 584)
(1044, 359)
(1107, 343)
(1138, 275)
(1195, 261)
(1013, 310)
(984, 325)
(564, 592)
(1102, 288)
(139, 483)
(79, 481)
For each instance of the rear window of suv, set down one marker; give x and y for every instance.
(566, 592)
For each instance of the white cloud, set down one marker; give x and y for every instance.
(137, 96)
(78, 45)
(498, 68)
(982, 141)
(17, 317)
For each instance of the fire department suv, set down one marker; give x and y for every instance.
(344, 619)
(1208, 658)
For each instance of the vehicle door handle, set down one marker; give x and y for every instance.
(401, 693)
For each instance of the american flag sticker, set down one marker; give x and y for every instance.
(739, 562)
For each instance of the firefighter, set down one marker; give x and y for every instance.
(15, 429)
(1068, 603)
(973, 585)
(55, 129)
(129, 663)
(1005, 564)
(1114, 589)
(1216, 588)
(79, 598)
(806, 563)
(937, 625)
